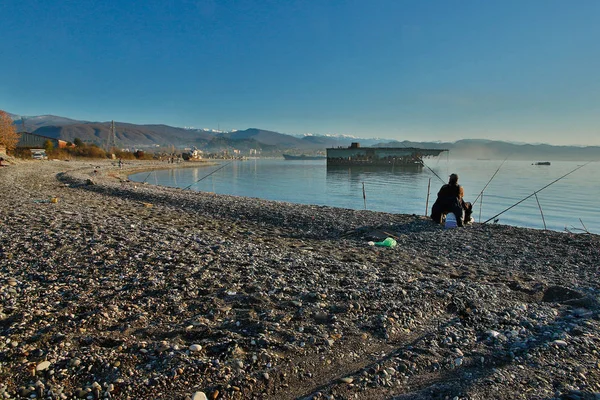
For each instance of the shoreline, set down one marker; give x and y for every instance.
(526, 216)
(124, 290)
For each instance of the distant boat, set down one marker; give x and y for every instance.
(542, 163)
(380, 156)
(302, 157)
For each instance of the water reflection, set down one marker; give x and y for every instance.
(363, 172)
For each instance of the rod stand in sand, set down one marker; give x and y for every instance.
(427, 201)
(578, 229)
(364, 196)
(541, 212)
(584, 227)
(480, 205)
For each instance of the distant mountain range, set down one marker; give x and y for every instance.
(271, 143)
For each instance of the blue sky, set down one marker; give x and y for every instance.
(526, 71)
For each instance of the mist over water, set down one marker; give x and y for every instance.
(405, 191)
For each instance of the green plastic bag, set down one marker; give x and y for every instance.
(388, 242)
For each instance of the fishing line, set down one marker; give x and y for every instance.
(536, 192)
(486, 185)
(423, 162)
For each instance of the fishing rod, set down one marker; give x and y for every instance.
(536, 192)
(147, 176)
(486, 185)
(423, 162)
(206, 176)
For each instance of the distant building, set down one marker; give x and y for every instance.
(31, 140)
(191, 154)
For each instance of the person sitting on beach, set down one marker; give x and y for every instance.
(450, 200)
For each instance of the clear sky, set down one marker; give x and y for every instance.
(514, 70)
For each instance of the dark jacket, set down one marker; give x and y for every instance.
(449, 199)
(451, 191)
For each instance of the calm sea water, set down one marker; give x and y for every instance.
(563, 203)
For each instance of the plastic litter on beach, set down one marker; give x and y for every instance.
(387, 242)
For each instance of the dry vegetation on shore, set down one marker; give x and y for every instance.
(121, 290)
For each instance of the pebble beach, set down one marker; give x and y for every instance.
(111, 289)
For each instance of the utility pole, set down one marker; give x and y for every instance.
(111, 141)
